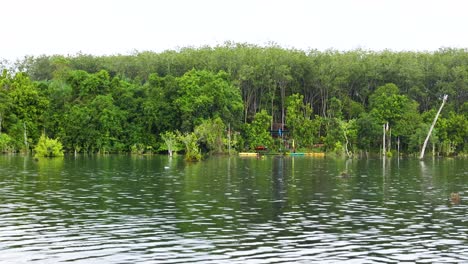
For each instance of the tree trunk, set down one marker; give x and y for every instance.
(384, 152)
(245, 113)
(283, 95)
(389, 139)
(272, 114)
(324, 98)
(346, 145)
(432, 127)
(398, 147)
(25, 137)
(248, 96)
(229, 138)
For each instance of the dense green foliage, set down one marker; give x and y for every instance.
(47, 147)
(336, 100)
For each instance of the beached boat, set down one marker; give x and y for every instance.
(315, 154)
(248, 154)
(295, 153)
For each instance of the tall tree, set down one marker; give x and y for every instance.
(258, 133)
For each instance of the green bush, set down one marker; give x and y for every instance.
(192, 150)
(47, 147)
(6, 143)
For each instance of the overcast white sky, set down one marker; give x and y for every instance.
(33, 27)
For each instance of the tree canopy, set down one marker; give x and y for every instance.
(335, 100)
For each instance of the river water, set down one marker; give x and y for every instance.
(138, 209)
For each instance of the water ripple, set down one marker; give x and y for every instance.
(124, 210)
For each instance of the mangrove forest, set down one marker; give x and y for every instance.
(237, 97)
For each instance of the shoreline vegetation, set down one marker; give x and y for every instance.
(237, 98)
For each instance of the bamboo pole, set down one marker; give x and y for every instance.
(432, 127)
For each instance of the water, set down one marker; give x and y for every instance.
(121, 209)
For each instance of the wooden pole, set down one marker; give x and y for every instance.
(383, 141)
(229, 138)
(385, 129)
(432, 127)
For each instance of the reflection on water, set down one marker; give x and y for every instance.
(136, 209)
